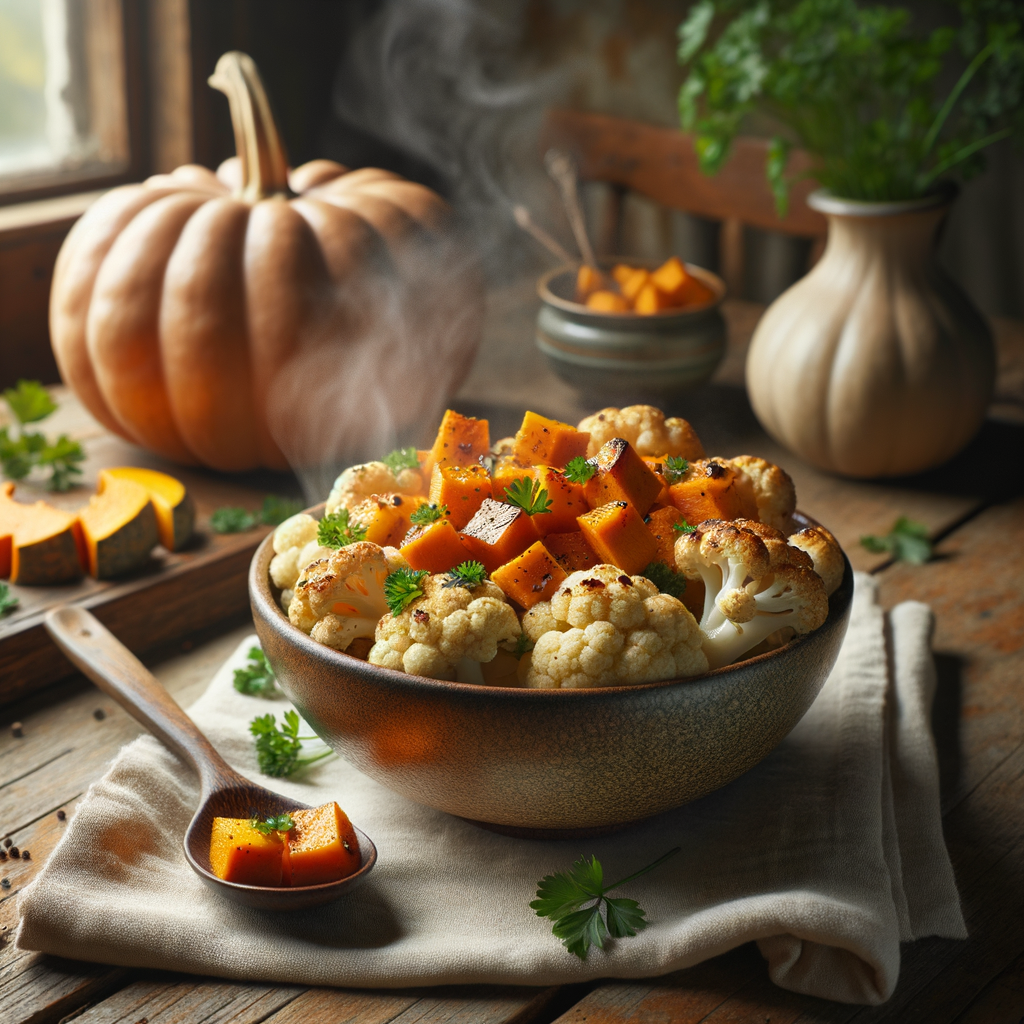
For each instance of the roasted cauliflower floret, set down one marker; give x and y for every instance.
(604, 628)
(825, 554)
(755, 585)
(448, 623)
(341, 597)
(295, 546)
(359, 482)
(646, 429)
(768, 487)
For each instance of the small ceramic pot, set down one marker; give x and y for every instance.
(626, 354)
(876, 363)
(547, 763)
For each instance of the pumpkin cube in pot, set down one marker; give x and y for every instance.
(651, 300)
(709, 491)
(622, 476)
(462, 489)
(588, 280)
(620, 537)
(531, 577)
(119, 527)
(544, 442)
(567, 502)
(39, 544)
(621, 273)
(607, 302)
(321, 847)
(435, 547)
(175, 510)
(634, 284)
(240, 853)
(680, 287)
(461, 441)
(386, 517)
(498, 533)
(571, 551)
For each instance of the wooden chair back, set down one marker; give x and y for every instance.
(661, 164)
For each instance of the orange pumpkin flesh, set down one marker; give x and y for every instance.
(531, 577)
(119, 527)
(39, 544)
(436, 547)
(322, 847)
(618, 534)
(461, 441)
(175, 510)
(567, 502)
(545, 442)
(497, 533)
(710, 492)
(239, 853)
(386, 517)
(461, 488)
(571, 551)
(622, 476)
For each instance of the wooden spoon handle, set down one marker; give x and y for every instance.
(93, 649)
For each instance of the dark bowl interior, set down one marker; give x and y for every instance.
(543, 760)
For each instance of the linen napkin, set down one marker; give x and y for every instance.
(828, 854)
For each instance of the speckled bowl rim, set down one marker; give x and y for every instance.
(261, 596)
(712, 280)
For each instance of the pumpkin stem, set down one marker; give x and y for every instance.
(264, 162)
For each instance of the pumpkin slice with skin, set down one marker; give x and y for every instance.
(39, 544)
(119, 526)
(175, 510)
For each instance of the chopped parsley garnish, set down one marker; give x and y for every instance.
(579, 470)
(528, 495)
(564, 896)
(273, 512)
(336, 531)
(665, 578)
(257, 679)
(427, 514)
(401, 458)
(907, 541)
(23, 450)
(523, 645)
(465, 574)
(232, 519)
(275, 823)
(7, 600)
(683, 527)
(675, 468)
(278, 747)
(402, 587)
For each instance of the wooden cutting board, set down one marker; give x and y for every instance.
(176, 598)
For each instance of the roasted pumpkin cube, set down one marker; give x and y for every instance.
(651, 300)
(322, 847)
(588, 279)
(680, 286)
(571, 551)
(545, 442)
(39, 544)
(531, 577)
(435, 547)
(567, 502)
(462, 489)
(497, 533)
(621, 273)
(607, 302)
(622, 476)
(461, 441)
(634, 284)
(240, 853)
(661, 523)
(709, 491)
(656, 464)
(119, 527)
(619, 536)
(386, 517)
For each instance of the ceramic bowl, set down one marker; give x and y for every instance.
(627, 353)
(547, 762)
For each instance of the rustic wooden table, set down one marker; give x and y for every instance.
(974, 509)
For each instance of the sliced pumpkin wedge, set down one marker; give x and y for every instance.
(175, 510)
(119, 525)
(39, 544)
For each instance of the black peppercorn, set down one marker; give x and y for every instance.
(5, 883)
(99, 714)
(7, 841)
(3, 855)
(61, 815)
(25, 855)
(14, 853)
(17, 730)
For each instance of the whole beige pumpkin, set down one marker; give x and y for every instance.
(211, 317)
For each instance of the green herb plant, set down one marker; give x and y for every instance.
(857, 85)
(465, 574)
(336, 530)
(579, 470)
(665, 578)
(8, 602)
(402, 587)
(907, 541)
(22, 450)
(273, 823)
(257, 679)
(273, 512)
(278, 747)
(528, 495)
(564, 897)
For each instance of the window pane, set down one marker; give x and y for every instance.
(62, 108)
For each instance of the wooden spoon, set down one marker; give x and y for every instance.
(564, 174)
(224, 793)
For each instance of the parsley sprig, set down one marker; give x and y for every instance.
(7, 600)
(665, 578)
(523, 645)
(579, 470)
(273, 512)
(401, 458)
(336, 530)
(273, 823)
(257, 679)
(278, 747)
(683, 527)
(22, 450)
(528, 495)
(465, 574)
(907, 541)
(402, 587)
(563, 897)
(675, 468)
(427, 514)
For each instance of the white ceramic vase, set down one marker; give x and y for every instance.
(876, 363)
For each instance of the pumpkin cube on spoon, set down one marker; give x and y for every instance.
(241, 853)
(320, 847)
